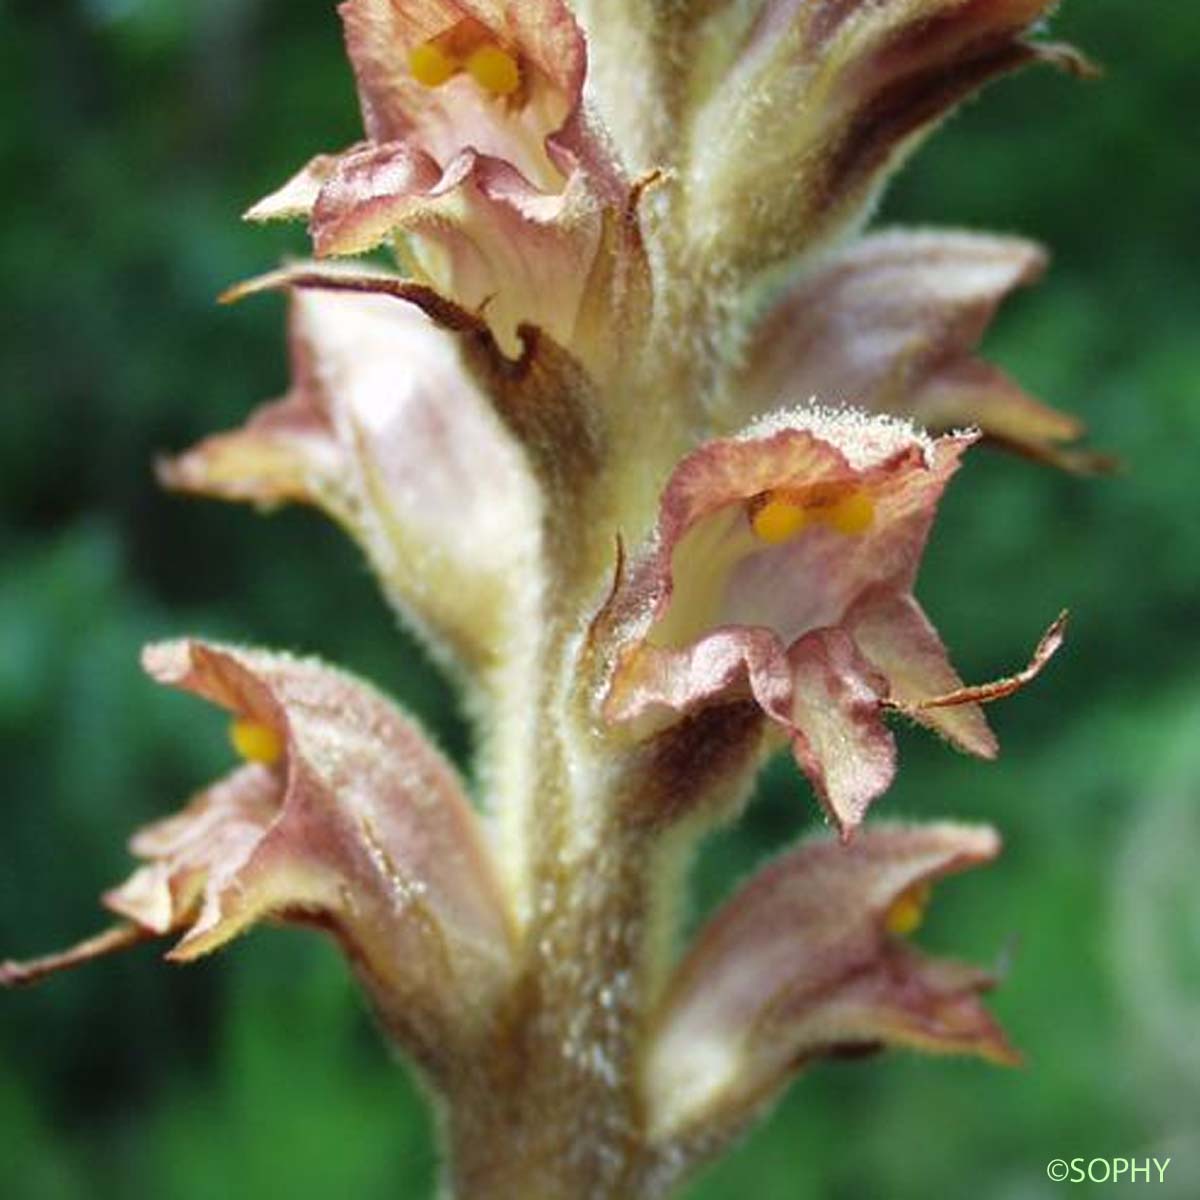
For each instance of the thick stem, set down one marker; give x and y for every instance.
(550, 1106)
(551, 1110)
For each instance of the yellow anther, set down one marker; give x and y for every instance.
(430, 65)
(778, 520)
(907, 911)
(256, 742)
(852, 514)
(495, 70)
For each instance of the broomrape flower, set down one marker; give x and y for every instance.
(646, 439)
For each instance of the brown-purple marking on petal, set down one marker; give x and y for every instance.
(924, 71)
(705, 759)
(799, 964)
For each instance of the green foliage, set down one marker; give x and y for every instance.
(133, 132)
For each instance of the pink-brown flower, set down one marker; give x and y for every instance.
(480, 167)
(345, 818)
(782, 568)
(809, 959)
(445, 76)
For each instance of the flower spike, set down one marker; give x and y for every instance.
(647, 442)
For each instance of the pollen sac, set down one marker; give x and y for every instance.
(780, 516)
(495, 70)
(852, 514)
(430, 65)
(256, 742)
(466, 46)
(778, 520)
(907, 911)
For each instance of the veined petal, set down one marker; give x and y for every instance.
(192, 857)
(453, 101)
(352, 823)
(804, 961)
(830, 95)
(775, 553)
(891, 324)
(385, 429)
(822, 693)
(295, 199)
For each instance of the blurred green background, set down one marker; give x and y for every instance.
(132, 133)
